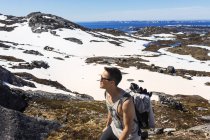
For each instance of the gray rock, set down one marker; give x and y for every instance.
(160, 70)
(159, 130)
(202, 109)
(10, 99)
(32, 65)
(75, 40)
(205, 118)
(85, 97)
(171, 69)
(33, 52)
(169, 129)
(187, 76)
(17, 126)
(171, 102)
(40, 22)
(53, 32)
(8, 77)
(205, 128)
(38, 94)
(47, 48)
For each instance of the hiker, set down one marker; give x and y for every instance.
(121, 118)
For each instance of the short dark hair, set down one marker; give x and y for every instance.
(114, 74)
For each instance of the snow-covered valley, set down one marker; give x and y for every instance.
(71, 46)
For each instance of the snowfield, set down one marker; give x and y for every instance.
(78, 76)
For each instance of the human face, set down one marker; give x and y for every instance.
(105, 81)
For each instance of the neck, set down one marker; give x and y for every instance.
(114, 93)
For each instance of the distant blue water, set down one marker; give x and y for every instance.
(130, 25)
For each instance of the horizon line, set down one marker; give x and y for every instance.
(114, 20)
(145, 20)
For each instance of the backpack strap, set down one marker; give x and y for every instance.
(126, 96)
(105, 94)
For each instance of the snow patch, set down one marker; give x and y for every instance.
(78, 76)
(2, 17)
(200, 46)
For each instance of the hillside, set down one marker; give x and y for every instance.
(50, 69)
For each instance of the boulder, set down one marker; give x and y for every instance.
(32, 65)
(47, 48)
(75, 40)
(85, 97)
(169, 101)
(8, 77)
(171, 69)
(205, 128)
(10, 99)
(205, 118)
(33, 52)
(17, 126)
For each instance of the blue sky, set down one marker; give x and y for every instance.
(105, 10)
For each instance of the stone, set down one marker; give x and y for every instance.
(10, 99)
(15, 125)
(187, 76)
(202, 109)
(169, 101)
(169, 129)
(159, 130)
(33, 52)
(75, 40)
(205, 118)
(205, 128)
(160, 70)
(171, 69)
(141, 81)
(47, 48)
(8, 77)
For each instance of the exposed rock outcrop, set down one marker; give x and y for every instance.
(40, 22)
(17, 126)
(10, 99)
(72, 39)
(33, 52)
(10, 20)
(138, 63)
(7, 76)
(32, 65)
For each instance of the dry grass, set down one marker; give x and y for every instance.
(80, 119)
(85, 120)
(196, 52)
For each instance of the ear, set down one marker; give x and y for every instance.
(113, 83)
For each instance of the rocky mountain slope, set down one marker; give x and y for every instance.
(46, 62)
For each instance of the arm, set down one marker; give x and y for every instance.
(128, 111)
(109, 120)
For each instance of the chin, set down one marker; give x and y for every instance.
(101, 86)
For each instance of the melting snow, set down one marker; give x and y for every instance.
(78, 76)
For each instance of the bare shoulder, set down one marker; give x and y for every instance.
(128, 104)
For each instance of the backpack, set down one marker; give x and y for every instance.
(143, 106)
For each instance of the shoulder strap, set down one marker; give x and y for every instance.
(105, 94)
(126, 96)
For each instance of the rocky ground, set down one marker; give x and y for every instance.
(86, 119)
(139, 64)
